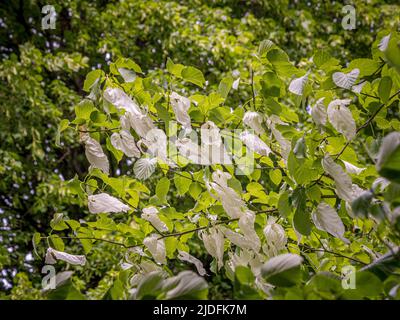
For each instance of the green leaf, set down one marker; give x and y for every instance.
(66, 291)
(175, 69)
(244, 275)
(64, 124)
(56, 242)
(276, 176)
(36, 238)
(84, 109)
(225, 86)
(301, 218)
(91, 78)
(284, 207)
(360, 206)
(162, 189)
(194, 76)
(182, 182)
(385, 86)
(149, 286)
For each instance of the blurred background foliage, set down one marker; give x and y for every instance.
(42, 74)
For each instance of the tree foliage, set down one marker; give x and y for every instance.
(86, 189)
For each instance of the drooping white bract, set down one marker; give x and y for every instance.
(318, 112)
(213, 240)
(254, 121)
(156, 247)
(389, 144)
(383, 44)
(95, 154)
(326, 219)
(185, 256)
(156, 143)
(230, 200)
(151, 214)
(140, 123)
(254, 143)
(181, 105)
(104, 203)
(281, 263)
(236, 238)
(144, 168)
(275, 238)
(246, 225)
(125, 142)
(297, 85)
(137, 120)
(245, 258)
(212, 149)
(53, 255)
(352, 169)
(284, 143)
(342, 179)
(341, 118)
(184, 283)
(357, 88)
(121, 100)
(346, 80)
(189, 149)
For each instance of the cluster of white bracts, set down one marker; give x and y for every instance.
(233, 205)
(339, 116)
(275, 238)
(210, 151)
(247, 239)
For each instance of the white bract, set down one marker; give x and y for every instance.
(237, 239)
(151, 214)
(254, 120)
(185, 256)
(275, 238)
(230, 200)
(318, 112)
(212, 149)
(297, 85)
(214, 243)
(156, 247)
(104, 203)
(383, 44)
(144, 168)
(352, 169)
(95, 154)
(254, 143)
(389, 144)
(346, 80)
(283, 142)
(53, 255)
(342, 179)
(125, 142)
(133, 116)
(181, 105)
(326, 219)
(246, 225)
(341, 118)
(235, 84)
(280, 264)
